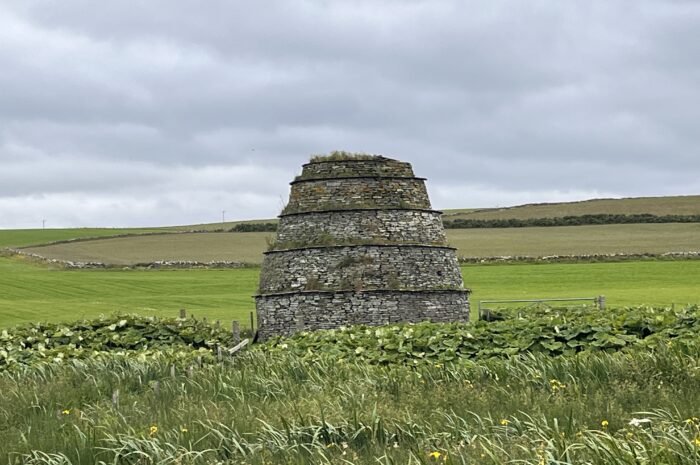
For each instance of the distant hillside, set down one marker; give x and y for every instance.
(249, 247)
(676, 205)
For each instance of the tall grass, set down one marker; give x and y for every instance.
(269, 409)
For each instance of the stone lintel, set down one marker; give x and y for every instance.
(368, 209)
(355, 246)
(365, 291)
(344, 178)
(370, 158)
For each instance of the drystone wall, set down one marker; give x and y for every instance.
(358, 243)
(339, 194)
(362, 267)
(399, 226)
(285, 314)
(354, 168)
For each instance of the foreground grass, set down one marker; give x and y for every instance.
(31, 293)
(271, 409)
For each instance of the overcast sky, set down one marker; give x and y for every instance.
(137, 113)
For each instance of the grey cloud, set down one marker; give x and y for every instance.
(495, 102)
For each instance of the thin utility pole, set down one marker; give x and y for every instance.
(223, 219)
(43, 224)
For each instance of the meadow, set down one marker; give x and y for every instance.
(275, 408)
(669, 205)
(26, 237)
(202, 247)
(534, 242)
(32, 292)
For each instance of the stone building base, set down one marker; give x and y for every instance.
(286, 313)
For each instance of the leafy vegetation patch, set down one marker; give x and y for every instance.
(565, 332)
(255, 227)
(123, 335)
(339, 155)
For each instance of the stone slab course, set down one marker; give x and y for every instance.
(349, 193)
(400, 226)
(379, 166)
(285, 314)
(358, 243)
(361, 267)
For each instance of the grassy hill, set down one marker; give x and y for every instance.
(201, 247)
(249, 247)
(673, 205)
(670, 205)
(26, 237)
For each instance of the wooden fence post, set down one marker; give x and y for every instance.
(252, 325)
(183, 313)
(236, 332)
(601, 302)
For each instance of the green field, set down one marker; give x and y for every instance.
(249, 247)
(25, 237)
(31, 292)
(202, 247)
(576, 240)
(670, 205)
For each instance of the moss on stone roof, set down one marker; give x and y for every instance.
(340, 155)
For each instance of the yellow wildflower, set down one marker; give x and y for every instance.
(556, 385)
(65, 412)
(184, 430)
(696, 441)
(504, 422)
(604, 423)
(153, 430)
(689, 421)
(435, 455)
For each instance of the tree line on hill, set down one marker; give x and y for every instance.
(254, 227)
(464, 223)
(603, 218)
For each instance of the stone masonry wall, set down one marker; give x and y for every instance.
(284, 314)
(350, 193)
(358, 243)
(416, 226)
(350, 168)
(360, 267)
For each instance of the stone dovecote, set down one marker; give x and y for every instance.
(358, 243)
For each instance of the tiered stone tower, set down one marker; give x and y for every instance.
(358, 243)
